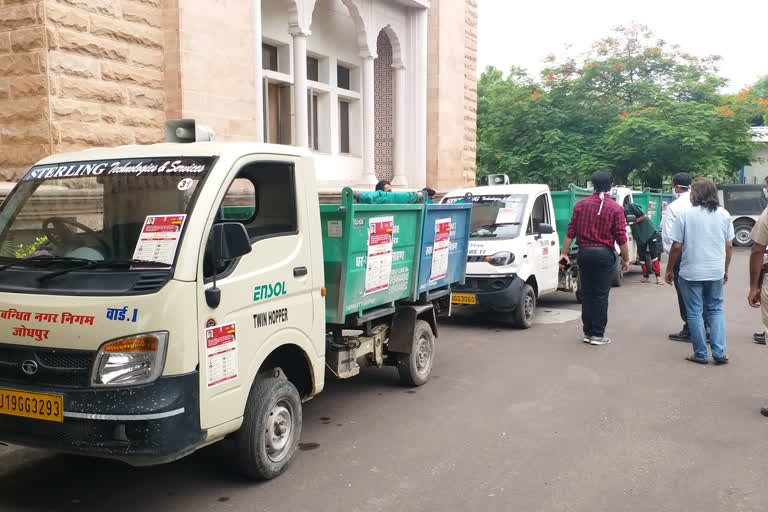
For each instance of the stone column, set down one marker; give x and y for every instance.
(300, 87)
(418, 174)
(369, 125)
(400, 126)
(258, 80)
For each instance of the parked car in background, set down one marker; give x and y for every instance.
(743, 203)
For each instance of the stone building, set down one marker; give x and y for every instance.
(378, 89)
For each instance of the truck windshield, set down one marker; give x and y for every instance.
(495, 216)
(108, 211)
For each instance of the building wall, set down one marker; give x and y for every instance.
(757, 172)
(452, 94)
(24, 109)
(105, 72)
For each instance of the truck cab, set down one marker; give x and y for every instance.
(513, 250)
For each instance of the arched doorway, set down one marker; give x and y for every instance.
(384, 109)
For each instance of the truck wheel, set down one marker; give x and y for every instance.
(525, 310)
(743, 229)
(271, 428)
(416, 367)
(618, 274)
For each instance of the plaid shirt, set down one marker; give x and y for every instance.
(592, 230)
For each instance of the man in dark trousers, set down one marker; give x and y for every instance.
(597, 224)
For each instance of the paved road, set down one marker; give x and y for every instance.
(513, 420)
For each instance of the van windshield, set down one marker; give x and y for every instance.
(105, 211)
(495, 216)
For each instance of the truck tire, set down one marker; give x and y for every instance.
(618, 274)
(743, 228)
(525, 310)
(271, 429)
(578, 292)
(416, 367)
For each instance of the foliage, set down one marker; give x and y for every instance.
(24, 250)
(632, 105)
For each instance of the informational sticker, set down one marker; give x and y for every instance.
(334, 229)
(379, 262)
(441, 249)
(510, 214)
(159, 238)
(221, 353)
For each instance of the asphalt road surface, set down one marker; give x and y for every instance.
(513, 420)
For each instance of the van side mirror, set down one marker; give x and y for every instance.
(546, 229)
(230, 241)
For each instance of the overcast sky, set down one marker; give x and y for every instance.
(523, 32)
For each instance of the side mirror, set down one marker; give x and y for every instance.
(631, 219)
(546, 229)
(230, 241)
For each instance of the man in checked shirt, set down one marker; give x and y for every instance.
(597, 224)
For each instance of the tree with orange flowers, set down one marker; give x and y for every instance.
(633, 104)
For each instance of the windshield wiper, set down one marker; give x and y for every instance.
(41, 257)
(101, 263)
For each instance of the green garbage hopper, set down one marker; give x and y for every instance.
(365, 273)
(563, 202)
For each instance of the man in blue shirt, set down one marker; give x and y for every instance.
(703, 235)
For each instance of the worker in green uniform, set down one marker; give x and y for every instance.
(645, 235)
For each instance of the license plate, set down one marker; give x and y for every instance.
(464, 298)
(39, 406)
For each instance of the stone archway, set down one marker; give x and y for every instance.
(384, 108)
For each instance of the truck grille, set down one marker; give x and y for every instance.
(55, 367)
(475, 259)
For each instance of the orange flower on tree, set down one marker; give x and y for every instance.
(623, 115)
(535, 95)
(762, 103)
(550, 78)
(724, 111)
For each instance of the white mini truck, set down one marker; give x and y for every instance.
(157, 299)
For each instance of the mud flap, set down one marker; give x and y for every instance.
(403, 322)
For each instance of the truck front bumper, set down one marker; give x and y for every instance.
(142, 425)
(494, 293)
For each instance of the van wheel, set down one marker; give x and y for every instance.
(743, 230)
(618, 274)
(271, 429)
(416, 367)
(525, 310)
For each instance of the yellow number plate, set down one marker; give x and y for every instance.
(32, 405)
(464, 298)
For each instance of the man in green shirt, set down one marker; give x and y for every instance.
(645, 233)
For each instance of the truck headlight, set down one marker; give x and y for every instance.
(500, 258)
(130, 361)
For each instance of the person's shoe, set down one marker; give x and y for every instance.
(695, 359)
(721, 360)
(684, 336)
(759, 338)
(764, 411)
(599, 340)
(586, 339)
(644, 280)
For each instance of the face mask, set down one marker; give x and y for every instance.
(674, 193)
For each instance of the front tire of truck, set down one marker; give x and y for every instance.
(525, 309)
(416, 367)
(271, 429)
(618, 274)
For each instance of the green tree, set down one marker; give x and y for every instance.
(633, 104)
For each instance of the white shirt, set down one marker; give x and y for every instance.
(674, 209)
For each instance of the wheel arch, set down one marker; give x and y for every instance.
(294, 362)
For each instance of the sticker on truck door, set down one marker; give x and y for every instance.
(221, 354)
(441, 249)
(379, 262)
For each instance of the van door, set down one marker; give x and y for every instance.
(543, 248)
(260, 292)
(631, 243)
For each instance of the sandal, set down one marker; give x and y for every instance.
(695, 359)
(721, 360)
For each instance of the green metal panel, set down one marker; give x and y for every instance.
(563, 202)
(651, 204)
(345, 229)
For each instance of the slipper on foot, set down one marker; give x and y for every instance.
(695, 359)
